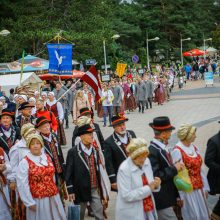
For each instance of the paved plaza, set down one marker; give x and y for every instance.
(195, 104)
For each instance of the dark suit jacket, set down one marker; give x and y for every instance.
(168, 193)
(97, 130)
(59, 154)
(212, 161)
(15, 135)
(18, 120)
(115, 154)
(78, 175)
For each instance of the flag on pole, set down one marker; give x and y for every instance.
(91, 78)
(22, 66)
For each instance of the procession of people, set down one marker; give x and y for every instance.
(36, 180)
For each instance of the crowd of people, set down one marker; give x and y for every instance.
(36, 179)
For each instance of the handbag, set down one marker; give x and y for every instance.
(73, 212)
(182, 181)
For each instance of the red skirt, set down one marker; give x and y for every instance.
(131, 103)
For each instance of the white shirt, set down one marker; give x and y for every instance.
(124, 139)
(48, 138)
(161, 145)
(7, 133)
(109, 97)
(86, 150)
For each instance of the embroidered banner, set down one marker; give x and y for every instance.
(60, 59)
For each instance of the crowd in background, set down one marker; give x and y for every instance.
(35, 179)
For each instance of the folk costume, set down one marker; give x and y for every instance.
(57, 109)
(163, 168)
(4, 191)
(97, 133)
(16, 154)
(84, 176)
(53, 149)
(8, 136)
(21, 119)
(159, 94)
(115, 149)
(195, 207)
(36, 186)
(128, 98)
(135, 199)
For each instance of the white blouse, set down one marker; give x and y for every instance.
(16, 154)
(191, 152)
(59, 108)
(22, 177)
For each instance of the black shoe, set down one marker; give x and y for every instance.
(67, 126)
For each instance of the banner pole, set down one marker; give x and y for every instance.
(68, 90)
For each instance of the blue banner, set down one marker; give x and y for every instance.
(60, 59)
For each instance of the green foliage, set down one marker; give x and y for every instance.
(88, 22)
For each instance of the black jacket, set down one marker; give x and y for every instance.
(168, 193)
(78, 175)
(212, 161)
(15, 135)
(97, 130)
(18, 120)
(115, 154)
(59, 153)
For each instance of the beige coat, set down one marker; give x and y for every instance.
(78, 104)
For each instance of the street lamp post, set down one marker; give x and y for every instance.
(204, 40)
(116, 36)
(147, 40)
(181, 47)
(5, 33)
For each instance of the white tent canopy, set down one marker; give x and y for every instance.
(211, 50)
(13, 80)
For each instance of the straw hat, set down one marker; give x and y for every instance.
(185, 132)
(137, 147)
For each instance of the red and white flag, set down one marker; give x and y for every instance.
(91, 78)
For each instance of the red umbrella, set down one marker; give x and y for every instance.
(194, 52)
(76, 74)
(187, 54)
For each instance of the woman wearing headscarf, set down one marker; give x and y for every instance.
(194, 203)
(16, 154)
(36, 183)
(32, 101)
(56, 107)
(136, 183)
